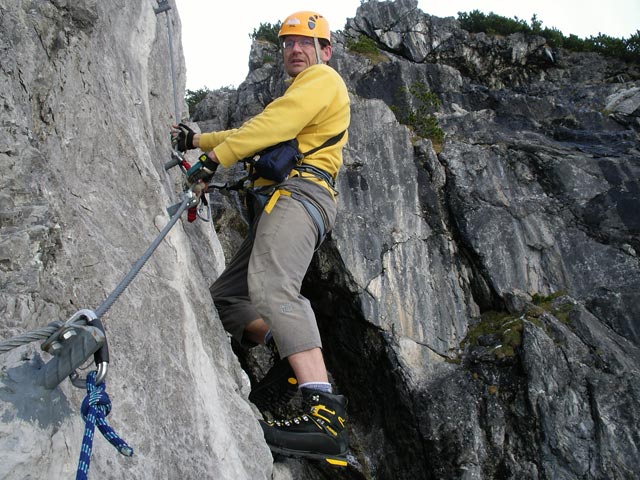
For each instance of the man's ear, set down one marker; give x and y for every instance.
(325, 53)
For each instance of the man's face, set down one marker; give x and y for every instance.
(300, 53)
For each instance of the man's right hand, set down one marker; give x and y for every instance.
(182, 137)
(203, 170)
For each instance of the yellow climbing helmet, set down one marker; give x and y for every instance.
(306, 24)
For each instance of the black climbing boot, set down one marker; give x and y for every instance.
(319, 434)
(277, 387)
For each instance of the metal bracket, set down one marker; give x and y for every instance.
(193, 201)
(163, 6)
(81, 336)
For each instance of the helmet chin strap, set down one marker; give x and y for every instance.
(317, 45)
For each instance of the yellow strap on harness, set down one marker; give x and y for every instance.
(274, 198)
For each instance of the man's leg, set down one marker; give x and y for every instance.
(283, 248)
(240, 317)
(279, 385)
(230, 295)
(309, 366)
(256, 331)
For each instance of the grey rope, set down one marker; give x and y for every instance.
(46, 332)
(28, 337)
(106, 305)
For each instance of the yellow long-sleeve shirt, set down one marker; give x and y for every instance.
(313, 109)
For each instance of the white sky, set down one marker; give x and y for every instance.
(216, 43)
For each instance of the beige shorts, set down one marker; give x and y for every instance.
(264, 278)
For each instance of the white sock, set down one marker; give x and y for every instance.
(319, 386)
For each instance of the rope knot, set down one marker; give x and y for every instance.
(97, 397)
(95, 407)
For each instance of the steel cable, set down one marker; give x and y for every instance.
(46, 332)
(28, 337)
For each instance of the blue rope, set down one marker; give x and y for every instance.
(95, 407)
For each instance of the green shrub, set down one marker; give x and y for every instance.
(554, 37)
(362, 44)
(193, 97)
(545, 300)
(545, 304)
(613, 47)
(268, 32)
(506, 328)
(366, 47)
(633, 45)
(415, 108)
(476, 21)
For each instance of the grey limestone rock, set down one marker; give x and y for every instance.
(478, 298)
(85, 93)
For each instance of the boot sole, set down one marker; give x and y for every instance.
(333, 460)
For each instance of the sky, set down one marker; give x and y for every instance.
(216, 43)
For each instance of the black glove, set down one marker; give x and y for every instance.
(202, 170)
(182, 138)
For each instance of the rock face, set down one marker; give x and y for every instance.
(478, 298)
(86, 109)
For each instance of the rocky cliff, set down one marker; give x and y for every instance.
(478, 297)
(87, 104)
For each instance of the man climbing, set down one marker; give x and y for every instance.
(258, 294)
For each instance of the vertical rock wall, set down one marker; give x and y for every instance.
(477, 299)
(432, 294)
(86, 101)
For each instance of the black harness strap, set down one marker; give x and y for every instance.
(328, 143)
(318, 172)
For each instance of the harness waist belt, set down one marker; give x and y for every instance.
(317, 172)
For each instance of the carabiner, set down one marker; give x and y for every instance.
(100, 357)
(206, 207)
